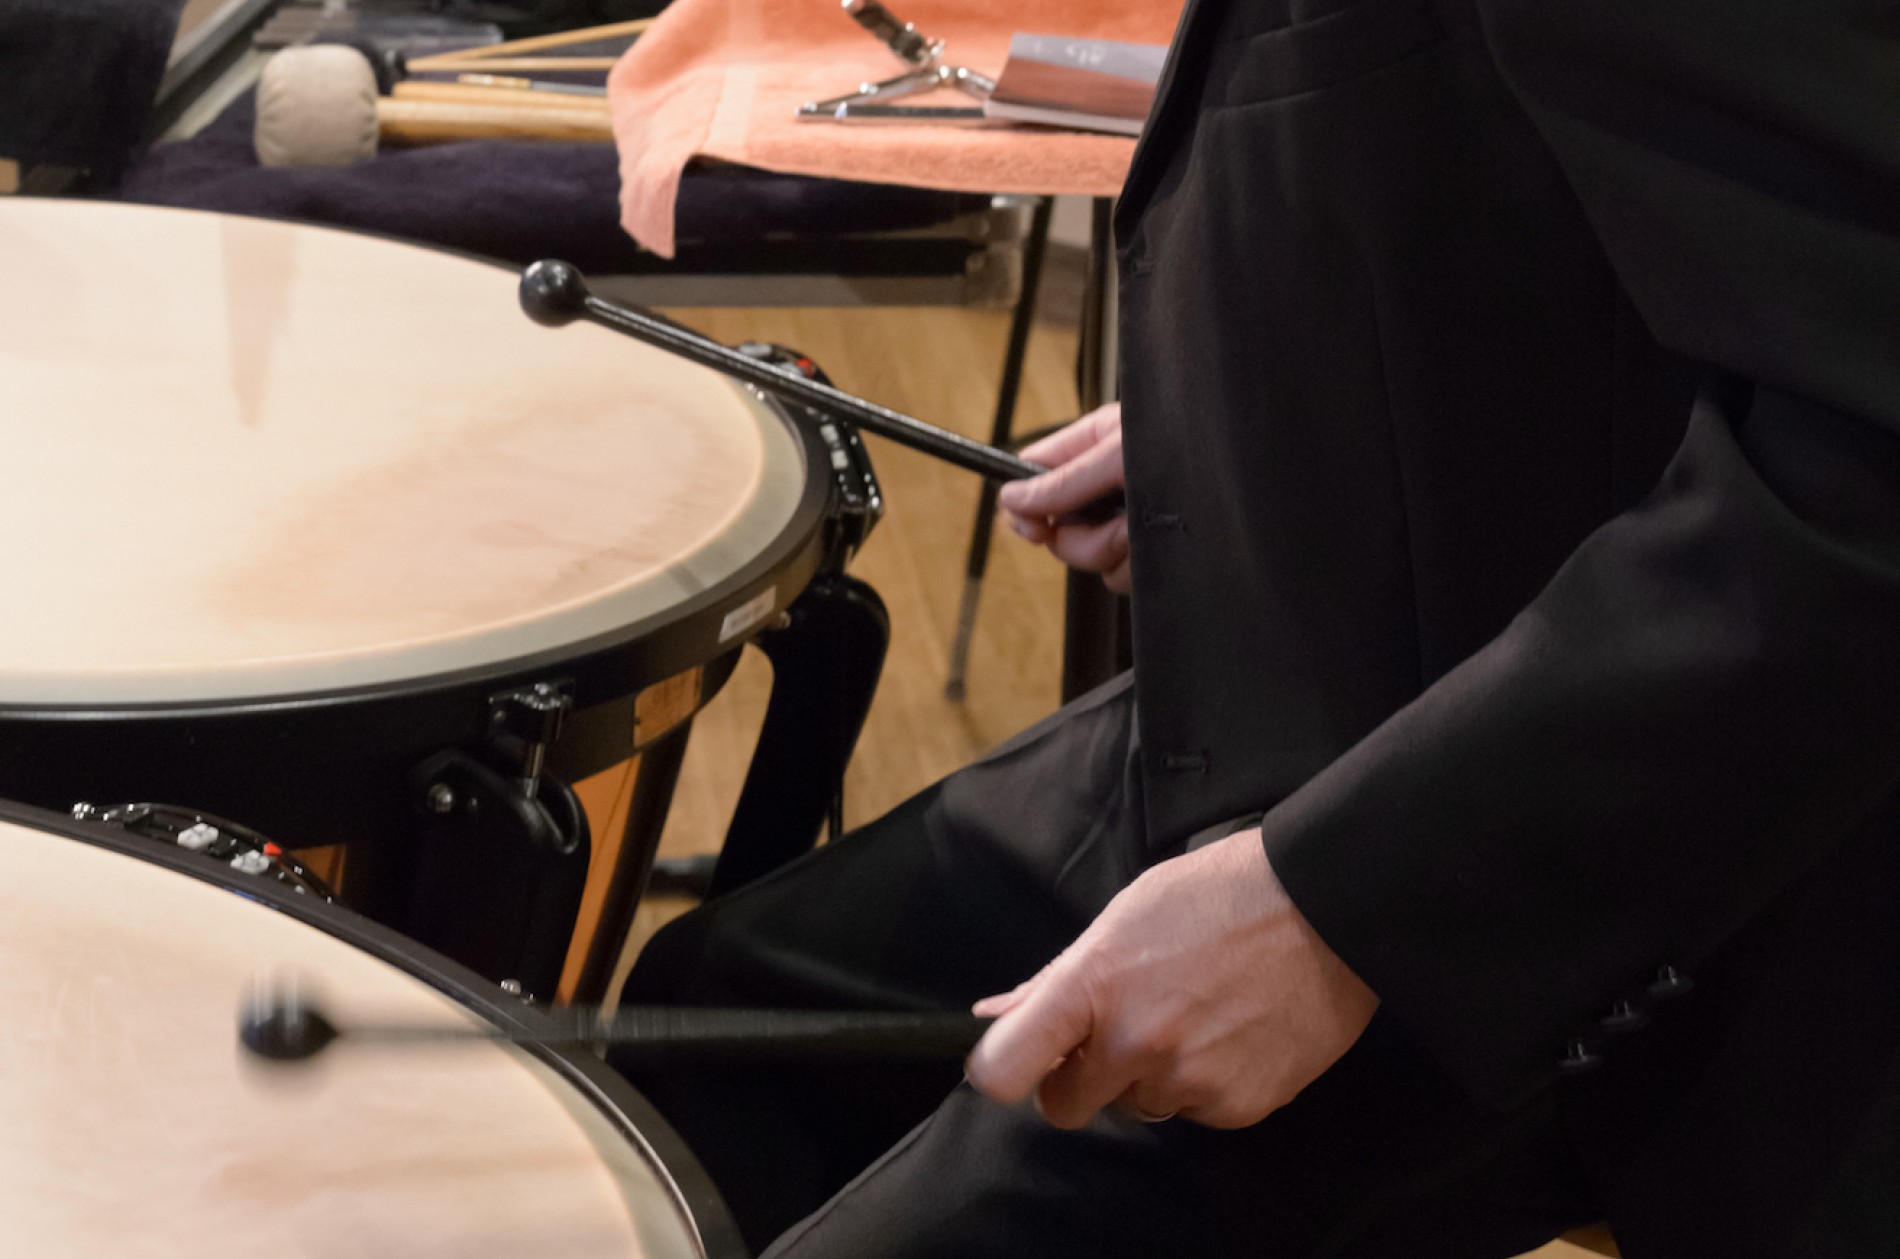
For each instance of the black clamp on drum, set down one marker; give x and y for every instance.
(859, 504)
(493, 821)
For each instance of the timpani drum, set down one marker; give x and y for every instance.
(314, 531)
(136, 1126)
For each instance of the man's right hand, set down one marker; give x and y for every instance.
(1085, 467)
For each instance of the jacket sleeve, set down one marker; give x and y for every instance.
(1707, 695)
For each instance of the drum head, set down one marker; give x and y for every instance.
(251, 459)
(135, 1125)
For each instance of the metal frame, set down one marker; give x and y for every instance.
(209, 53)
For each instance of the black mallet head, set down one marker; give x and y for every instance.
(279, 1027)
(553, 293)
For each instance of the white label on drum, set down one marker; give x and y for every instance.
(747, 614)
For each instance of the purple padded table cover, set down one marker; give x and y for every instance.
(517, 201)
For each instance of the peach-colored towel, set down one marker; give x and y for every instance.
(721, 79)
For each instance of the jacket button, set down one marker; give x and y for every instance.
(1669, 983)
(1624, 1016)
(1581, 1058)
(1163, 520)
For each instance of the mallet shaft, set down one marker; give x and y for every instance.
(953, 448)
(670, 1032)
(553, 293)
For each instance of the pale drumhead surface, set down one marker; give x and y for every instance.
(136, 1128)
(247, 458)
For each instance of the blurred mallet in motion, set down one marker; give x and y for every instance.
(280, 1025)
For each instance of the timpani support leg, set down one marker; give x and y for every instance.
(825, 668)
(656, 777)
(1001, 430)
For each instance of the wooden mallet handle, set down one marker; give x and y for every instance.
(410, 121)
(476, 94)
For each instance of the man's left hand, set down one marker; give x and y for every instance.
(1200, 990)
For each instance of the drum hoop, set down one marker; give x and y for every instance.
(787, 564)
(617, 1101)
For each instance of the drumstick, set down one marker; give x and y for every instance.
(554, 294)
(488, 65)
(490, 95)
(539, 43)
(410, 121)
(282, 1028)
(539, 86)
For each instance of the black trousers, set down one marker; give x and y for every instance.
(966, 890)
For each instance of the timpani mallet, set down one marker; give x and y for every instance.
(279, 1026)
(320, 106)
(554, 294)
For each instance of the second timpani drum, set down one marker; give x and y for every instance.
(135, 1125)
(314, 531)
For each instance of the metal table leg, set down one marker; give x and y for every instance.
(1001, 430)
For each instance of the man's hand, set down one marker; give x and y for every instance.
(1199, 990)
(1085, 462)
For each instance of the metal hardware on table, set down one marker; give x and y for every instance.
(869, 103)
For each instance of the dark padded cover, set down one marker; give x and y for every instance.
(516, 201)
(78, 78)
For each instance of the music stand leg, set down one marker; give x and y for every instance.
(825, 668)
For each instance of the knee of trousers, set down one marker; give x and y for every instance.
(673, 965)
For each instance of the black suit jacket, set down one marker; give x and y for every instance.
(1512, 414)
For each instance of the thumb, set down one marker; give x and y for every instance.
(1004, 1002)
(1069, 487)
(1026, 1042)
